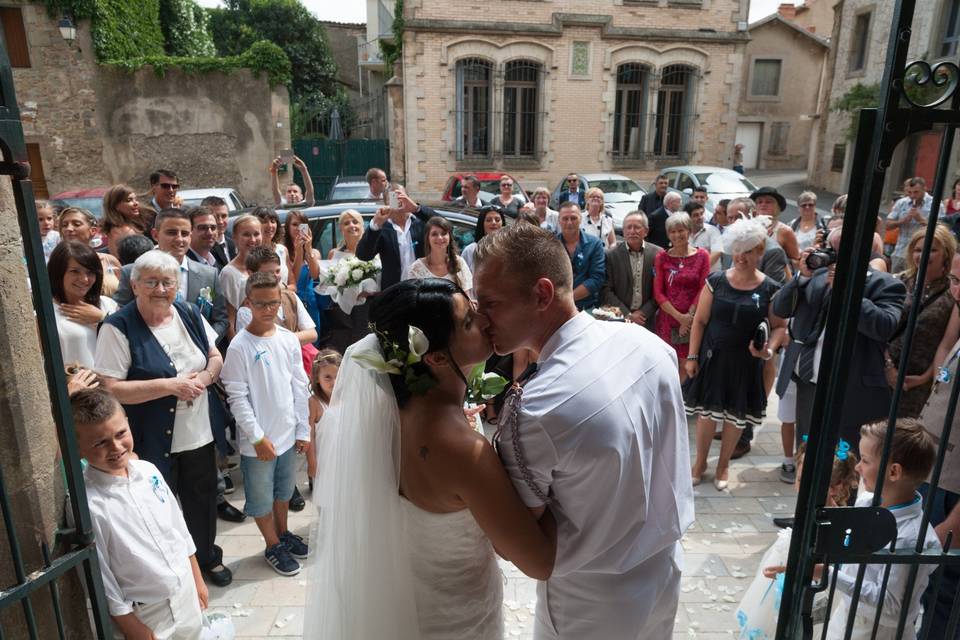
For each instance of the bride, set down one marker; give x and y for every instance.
(412, 501)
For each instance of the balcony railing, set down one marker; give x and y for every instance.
(369, 54)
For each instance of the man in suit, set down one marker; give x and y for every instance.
(650, 202)
(470, 190)
(203, 238)
(629, 264)
(198, 282)
(805, 300)
(223, 249)
(396, 235)
(572, 192)
(658, 219)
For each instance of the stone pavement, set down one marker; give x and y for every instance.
(722, 552)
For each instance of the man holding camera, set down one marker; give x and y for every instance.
(805, 300)
(909, 215)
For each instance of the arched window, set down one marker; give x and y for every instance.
(521, 108)
(673, 122)
(474, 93)
(629, 130)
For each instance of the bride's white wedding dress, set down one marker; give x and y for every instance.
(458, 586)
(382, 567)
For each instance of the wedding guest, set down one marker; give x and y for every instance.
(951, 216)
(47, 221)
(292, 314)
(528, 217)
(653, 200)
(571, 192)
(719, 219)
(935, 307)
(505, 201)
(132, 247)
(81, 225)
(586, 257)
(629, 269)
(323, 377)
(233, 277)
(272, 234)
(809, 226)
(113, 233)
(291, 191)
(771, 203)
(76, 279)
(489, 219)
(303, 264)
(377, 181)
(158, 357)
(203, 237)
(164, 186)
(120, 205)
(596, 221)
(397, 236)
(224, 249)
(267, 387)
(440, 259)
(878, 260)
(151, 579)
(724, 366)
(470, 190)
(672, 203)
(909, 215)
(702, 235)
(350, 224)
(679, 274)
(540, 206)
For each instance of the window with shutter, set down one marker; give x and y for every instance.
(15, 36)
(779, 135)
(766, 78)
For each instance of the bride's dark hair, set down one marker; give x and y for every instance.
(425, 303)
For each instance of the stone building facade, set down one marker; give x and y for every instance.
(543, 88)
(861, 33)
(89, 125)
(781, 95)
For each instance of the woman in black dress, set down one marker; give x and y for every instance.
(725, 369)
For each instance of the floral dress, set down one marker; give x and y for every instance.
(678, 281)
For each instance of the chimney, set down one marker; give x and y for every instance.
(788, 10)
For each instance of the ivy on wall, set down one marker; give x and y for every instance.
(392, 50)
(262, 57)
(185, 29)
(860, 96)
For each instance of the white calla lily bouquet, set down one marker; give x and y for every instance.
(345, 281)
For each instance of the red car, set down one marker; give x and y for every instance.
(489, 185)
(89, 199)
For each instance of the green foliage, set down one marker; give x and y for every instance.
(124, 29)
(184, 25)
(312, 119)
(81, 9)
(291, 26)
(859, 97)
(262, 57)
(392, 50)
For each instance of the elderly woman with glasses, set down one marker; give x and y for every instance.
(809, 227)
(596, 221)
(157, 356)
(508, 203)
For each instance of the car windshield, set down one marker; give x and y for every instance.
(621, 190)
(93, 205)
(350, 192)
(725, 182)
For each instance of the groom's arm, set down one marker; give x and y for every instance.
(536, 454)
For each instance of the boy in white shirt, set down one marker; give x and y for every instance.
(151, 578)
(912, 456)
(268, 392)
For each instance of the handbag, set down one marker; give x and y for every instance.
(676, 338)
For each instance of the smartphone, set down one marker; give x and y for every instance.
(393, 200)
(286, 157)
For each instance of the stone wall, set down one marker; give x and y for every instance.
(576, 128)
(97, 125)
(802, 58)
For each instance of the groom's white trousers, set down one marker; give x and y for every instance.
(640, 604)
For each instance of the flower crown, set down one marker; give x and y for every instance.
(392, 359)
(843, 449)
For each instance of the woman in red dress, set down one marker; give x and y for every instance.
(679, 275)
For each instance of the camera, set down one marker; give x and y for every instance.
(821, 258)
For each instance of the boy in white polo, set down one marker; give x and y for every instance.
(151, 579)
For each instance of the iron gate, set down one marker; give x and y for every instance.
(329, 159)
(914, 97)
(81, 553)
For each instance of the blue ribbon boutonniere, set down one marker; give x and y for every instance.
(159, 490)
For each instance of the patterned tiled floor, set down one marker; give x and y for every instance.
(723, 549)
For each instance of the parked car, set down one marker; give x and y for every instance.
(621, 194)
(193, 197)
(351, 188)
(89, 199)
(489, 185)
(721, 183)
(326, 232)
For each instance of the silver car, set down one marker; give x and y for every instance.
(193, 197)
(621, 194)
(721, 184)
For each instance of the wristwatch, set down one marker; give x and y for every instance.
(693, 357)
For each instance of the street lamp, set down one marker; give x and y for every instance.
(67, 29)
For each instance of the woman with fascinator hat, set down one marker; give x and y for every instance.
(412, 500)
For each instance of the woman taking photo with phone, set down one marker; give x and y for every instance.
(303, 262)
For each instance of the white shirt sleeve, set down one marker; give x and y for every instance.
(112, 358)
(716, 242)
(108, 305)
(535, 445)
(211, 334)
(116, 603)
(301, 392)
(466, 278)
(244, 316)
(232, 283)
(234, 378)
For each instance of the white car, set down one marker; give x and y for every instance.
(193, 197)
(721, 184)
(621, 194)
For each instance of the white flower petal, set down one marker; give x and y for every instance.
(417, 342)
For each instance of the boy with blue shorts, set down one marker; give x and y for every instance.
(268, 392)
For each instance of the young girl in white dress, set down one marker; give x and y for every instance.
(323, 375)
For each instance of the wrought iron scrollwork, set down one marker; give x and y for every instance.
(928, 87)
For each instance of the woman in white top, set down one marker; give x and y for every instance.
(440, 258)
(81, 225)
(351, 228)
(76, 280)
(233, 277)
(272, 232)
(809, 224)
(596, 221)
(488, 221)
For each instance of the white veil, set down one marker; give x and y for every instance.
(360, 582)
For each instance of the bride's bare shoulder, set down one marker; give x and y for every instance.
(449, 435)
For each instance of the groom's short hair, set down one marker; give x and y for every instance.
(527, 253)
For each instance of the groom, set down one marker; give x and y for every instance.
(600, 438)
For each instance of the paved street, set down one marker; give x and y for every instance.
(723, 549)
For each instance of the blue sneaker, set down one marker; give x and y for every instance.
(295, 544)
(281, 561)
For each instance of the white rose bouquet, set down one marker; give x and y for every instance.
(346, 280)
